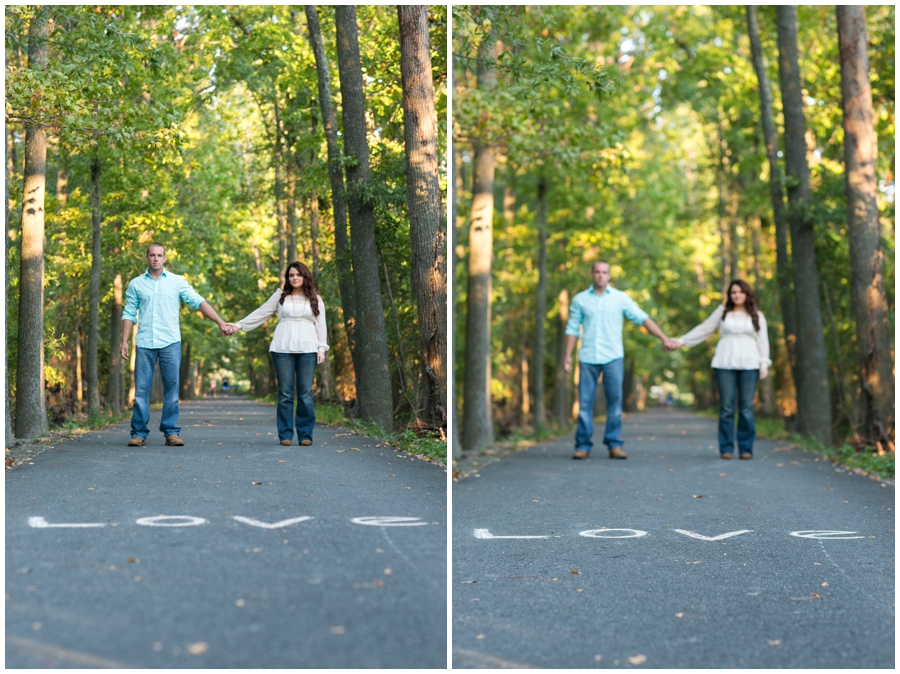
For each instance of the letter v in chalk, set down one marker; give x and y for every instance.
(274, 525)
(694, 534)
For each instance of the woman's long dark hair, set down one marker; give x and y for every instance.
(749, 303)
(308, 287)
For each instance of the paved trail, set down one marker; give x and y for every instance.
(672, 558)
(326, 556)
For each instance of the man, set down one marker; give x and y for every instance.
(600, 309)
(157, 294)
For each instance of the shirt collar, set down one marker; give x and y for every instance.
(150, 276)
(605, 292)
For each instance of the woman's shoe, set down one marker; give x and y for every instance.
(286, 443)
(305, 443)
(746, 455)
(726, 455)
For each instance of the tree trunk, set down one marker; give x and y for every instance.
(427, 224)
(374, 372)
(10, 436)
(562, 388)
(114, 392)
(93, 378)
(291, 213)
(873, 329)
(540, 307)
(31, 407)
(184, 372)
(280, 207)
(814, 398)
(782, 259)
(478, 432)
(336, 176)
(720, 212)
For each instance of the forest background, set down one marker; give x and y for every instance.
(637, 135)
(221, 133)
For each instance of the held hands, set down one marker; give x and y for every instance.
(228, 329)
(671, 344)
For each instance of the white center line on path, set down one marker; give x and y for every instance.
(484, 533)
(41, 523)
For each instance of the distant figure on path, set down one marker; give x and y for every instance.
(212, 387)
(225, 386)
(156, 297)
(601, 309)
(740, 361)
(299, 344)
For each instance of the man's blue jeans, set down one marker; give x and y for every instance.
(295, 369)
(740, 384)
(613, 375)
(169, 359)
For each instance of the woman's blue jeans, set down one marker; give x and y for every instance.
(295, 370)
(739, 385)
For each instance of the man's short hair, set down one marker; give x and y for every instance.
(596, 262)
(156, 245)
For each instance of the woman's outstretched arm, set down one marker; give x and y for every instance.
(704, 330)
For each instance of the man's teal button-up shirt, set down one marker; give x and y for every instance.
(602, 316)
(159, 302)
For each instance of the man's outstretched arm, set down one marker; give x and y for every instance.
(206, 309)
(656, 331)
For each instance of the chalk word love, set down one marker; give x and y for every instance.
(190, 521)
(822, 535)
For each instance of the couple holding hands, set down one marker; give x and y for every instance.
(740, 361)
(299, 344)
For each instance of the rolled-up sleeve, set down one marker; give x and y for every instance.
(321, 327)
(575, 317)
(130, 309)
(762, 342)
(633, 312)
(189, 296)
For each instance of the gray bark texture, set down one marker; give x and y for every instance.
(873, 328)
(813, 393)
(8, 435)
(31, 405)
(373, 372)
(540, 308)
(427, 223)
(336, 176)
(776, 192)
(93, 344)
(478, 431)
(562, 389)
(115, 394)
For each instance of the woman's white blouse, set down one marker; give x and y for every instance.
(740, 347)
(298, 329)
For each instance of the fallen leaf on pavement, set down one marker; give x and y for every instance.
(824, 584)
(723, 474)
(814, 595)
(774, 642)
(257, 483)
(576, 572)
(280, 460)
(698, 495)
(637, 660)
(469, 582)
(132, 560)
(344, 435)
(354, 449)
(340, 451)
(679, 615)
(598, 657)
(199, 648)
(338, 629)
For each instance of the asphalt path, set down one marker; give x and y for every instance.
(638, 564)
(175, 579)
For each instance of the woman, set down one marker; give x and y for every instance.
(299, 344)
(741, 359)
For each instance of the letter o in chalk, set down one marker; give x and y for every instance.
(389, 521)
(160, 521)
(602, 533)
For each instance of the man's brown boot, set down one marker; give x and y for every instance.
(581, 454)
(174, 440)
(617, 453)
(136, 441)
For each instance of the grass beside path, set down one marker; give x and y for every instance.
(429, 446)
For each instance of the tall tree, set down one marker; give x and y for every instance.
(776, 191)
(873, 328)
(31, 409)
(336, 177)
(374, 373)
(478, 431)
(813, 394)
(540, 305)
(427, 222)
(93, 344)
